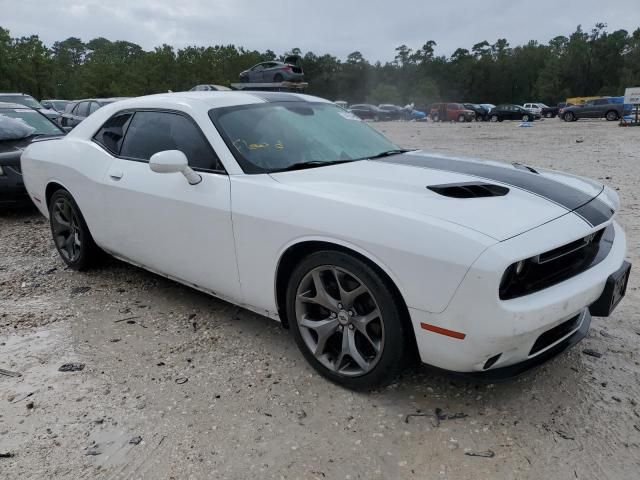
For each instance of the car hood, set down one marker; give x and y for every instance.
(11, 150)
(398, 184)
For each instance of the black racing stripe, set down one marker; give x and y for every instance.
(593, 210)
(276, 96)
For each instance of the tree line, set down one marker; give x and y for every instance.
(594, 62)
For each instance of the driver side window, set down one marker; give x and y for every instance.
(150, 132)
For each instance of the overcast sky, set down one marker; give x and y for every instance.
(374, 27)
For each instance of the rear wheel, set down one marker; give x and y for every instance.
(435, 118)
(548, 115)
(70, 232)
(526, 118)
(278, 78)
(569, 117)
(461, 118)
(494, 118)
(345, 320)
(612, 116)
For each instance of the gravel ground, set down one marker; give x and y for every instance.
(177, 384)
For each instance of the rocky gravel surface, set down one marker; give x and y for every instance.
(167, 382)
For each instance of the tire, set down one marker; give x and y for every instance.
(379, 353)
(277, 78)
(569, 117)
(244, 79)
(461, 118)
(435, 118)
(612, 116)
(494, 118)
(548, 115)
(73, 241)
(526, 118)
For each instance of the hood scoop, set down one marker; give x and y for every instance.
(469, 190)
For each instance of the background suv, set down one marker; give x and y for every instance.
(446, 112)
(611, 108)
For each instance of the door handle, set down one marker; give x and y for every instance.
(116, 174)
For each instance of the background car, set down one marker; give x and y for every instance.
(488, 106)
(367, 111)
(552, 112)
(81, 109)
(510, 112)
(274, 72)
(481, 112)
(58, 105)
(611, 108)
(209, 88)
(394, 112)
(19, 126)
(29, 101)
(451, 112)
(535, 108)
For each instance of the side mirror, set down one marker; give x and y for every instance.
(173, 161)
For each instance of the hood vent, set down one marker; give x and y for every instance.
(469, 190)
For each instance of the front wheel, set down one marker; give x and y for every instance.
(569, 117)
(346, 320)
(461, 118)
(612, 116)
(278, 78)
(494, 118)
(526, 118)
(70, 232)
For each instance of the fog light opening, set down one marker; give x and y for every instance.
(491, 362)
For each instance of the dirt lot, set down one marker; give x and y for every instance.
(181, 385)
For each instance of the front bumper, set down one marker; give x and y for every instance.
(12, 190)
(509, 329)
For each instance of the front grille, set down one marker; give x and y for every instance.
(557, 265)
(556, 333)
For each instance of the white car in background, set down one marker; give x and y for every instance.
(535, 108)
(292, 207)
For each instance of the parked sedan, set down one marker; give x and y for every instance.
(481, 113)
(19, 126)
(274, 72)
(510, 112)
(370, 112)
(58, 105)
(28, 101)
(295, 209)
(81, 109)
(394, 112)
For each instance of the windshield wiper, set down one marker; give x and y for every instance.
(310, 164)
(388, 153)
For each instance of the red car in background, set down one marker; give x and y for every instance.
(447, 112)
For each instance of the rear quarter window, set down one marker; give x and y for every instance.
(111, 134)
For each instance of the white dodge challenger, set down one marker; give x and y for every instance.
(292, 207)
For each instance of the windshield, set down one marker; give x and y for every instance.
(269, 137)
(42, 125)
(22, 100)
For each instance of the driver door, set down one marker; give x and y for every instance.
(160, 221)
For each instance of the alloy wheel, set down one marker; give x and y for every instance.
(339, 320)
(67, 232)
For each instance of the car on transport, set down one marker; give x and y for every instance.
(274, 72)
(511, 112)
(296, 209)
(81, 109)
(19, 127)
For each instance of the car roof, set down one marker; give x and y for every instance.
(217, 99)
